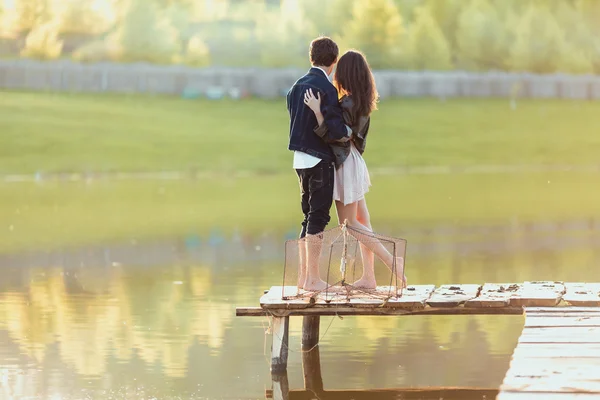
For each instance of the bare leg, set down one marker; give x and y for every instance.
(302, 263)
(313, 254)
(367, 281)
(349, 212)
(364, 218)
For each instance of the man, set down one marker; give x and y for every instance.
(313, 157)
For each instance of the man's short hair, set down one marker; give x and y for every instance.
(323, 51)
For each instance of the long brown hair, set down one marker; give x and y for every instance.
(353, 77)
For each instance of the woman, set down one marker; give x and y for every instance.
(356, 86)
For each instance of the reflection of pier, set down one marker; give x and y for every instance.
(557, 351)
(313, 387)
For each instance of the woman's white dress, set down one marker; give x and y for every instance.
(352, 180)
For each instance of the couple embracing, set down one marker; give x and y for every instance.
(329, 123)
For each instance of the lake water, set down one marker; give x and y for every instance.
(157, 320)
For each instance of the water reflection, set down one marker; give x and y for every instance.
(156, 320)
(313, 387)
(218, 249)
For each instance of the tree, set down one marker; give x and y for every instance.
(574, 60)
(586, 34)
(578, 46)
(407, 7)
(540, 42)
(446, 14)
(188, 5)
(179, 13)
(31, 13)
(79, 17)
(214, 10)
(376, 28)
(95, 51)
(328, 20)
(283, 36)
(143, 36)
(197, 54)
(429, 49)
(508, 8)
(482, 40)
(3, 23)
(590, 11)
(43, 42)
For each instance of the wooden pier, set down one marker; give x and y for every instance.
(557, 354)
(557, 357)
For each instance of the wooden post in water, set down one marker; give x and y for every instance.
(279, 351)
(311, 366)
(281, 387)
(310, 331)
(311, 362)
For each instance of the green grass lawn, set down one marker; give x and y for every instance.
(79, 133)
(75, 132)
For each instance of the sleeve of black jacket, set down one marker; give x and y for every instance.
(334, 118)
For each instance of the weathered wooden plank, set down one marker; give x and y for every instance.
(551, 383)
(393, 394)
(582, 294)
(562, 316)
(494, 295)
(279, 349)
(554, 366)
(415, 296)
(582, 334)
(311, 368)
(556, 350)
(380, 311)
(560, 309)
(343, 297)
(529, 294)
(538, 294)
(396, 394)
(281, 387)
(453, 295)
(347, 295)
(551, 320)
(288, 297)
(528, 362)
(546, 396)
(310, 331)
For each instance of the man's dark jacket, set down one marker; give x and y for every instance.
(303, 121)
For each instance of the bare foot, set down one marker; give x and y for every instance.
(301, 282)
(365, 283)
(315, 285)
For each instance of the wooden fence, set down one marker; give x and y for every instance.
(68, 76)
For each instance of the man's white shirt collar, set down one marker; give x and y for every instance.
(327, 76)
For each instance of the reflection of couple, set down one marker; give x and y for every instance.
(328, 143)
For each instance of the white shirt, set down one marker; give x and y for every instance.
(301, 159)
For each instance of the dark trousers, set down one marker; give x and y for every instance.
(316, 187)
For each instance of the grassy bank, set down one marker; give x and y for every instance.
(76, 132)
(68, 132)
(65, 214)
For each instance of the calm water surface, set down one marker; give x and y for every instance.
(157, 320)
